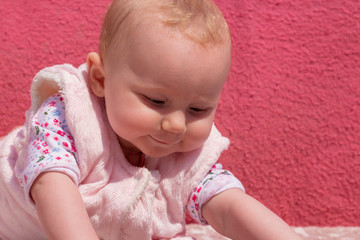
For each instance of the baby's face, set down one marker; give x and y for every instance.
(161, 91)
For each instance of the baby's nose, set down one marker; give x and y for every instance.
(174, 122)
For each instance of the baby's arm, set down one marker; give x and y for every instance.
(51, 175)
(238, 216)
(60, 207)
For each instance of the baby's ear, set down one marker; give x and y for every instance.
(96, 74)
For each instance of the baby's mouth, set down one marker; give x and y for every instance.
(164, 142)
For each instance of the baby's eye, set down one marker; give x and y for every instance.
(153, 101)
(198, 110)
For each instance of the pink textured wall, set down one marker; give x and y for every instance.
(291, 106)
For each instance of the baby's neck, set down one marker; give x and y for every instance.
(134, 158)
(131, 153)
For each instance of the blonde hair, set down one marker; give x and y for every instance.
(199, 20)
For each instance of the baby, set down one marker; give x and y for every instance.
(123, 146)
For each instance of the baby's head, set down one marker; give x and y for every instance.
(161, 67)
(198, 20)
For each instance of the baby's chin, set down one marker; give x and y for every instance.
(180, 149)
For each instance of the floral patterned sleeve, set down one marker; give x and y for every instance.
(51, 146)
(216, 181)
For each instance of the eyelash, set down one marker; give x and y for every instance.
(159, 103)
(155, 102)
(198, 110)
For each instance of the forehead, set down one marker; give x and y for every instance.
(158, 57)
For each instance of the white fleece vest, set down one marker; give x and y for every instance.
(123, 201)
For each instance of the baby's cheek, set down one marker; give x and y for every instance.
(199, 132)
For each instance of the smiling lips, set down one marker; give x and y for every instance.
(163, 142)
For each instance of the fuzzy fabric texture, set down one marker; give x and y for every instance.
(123, 201)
